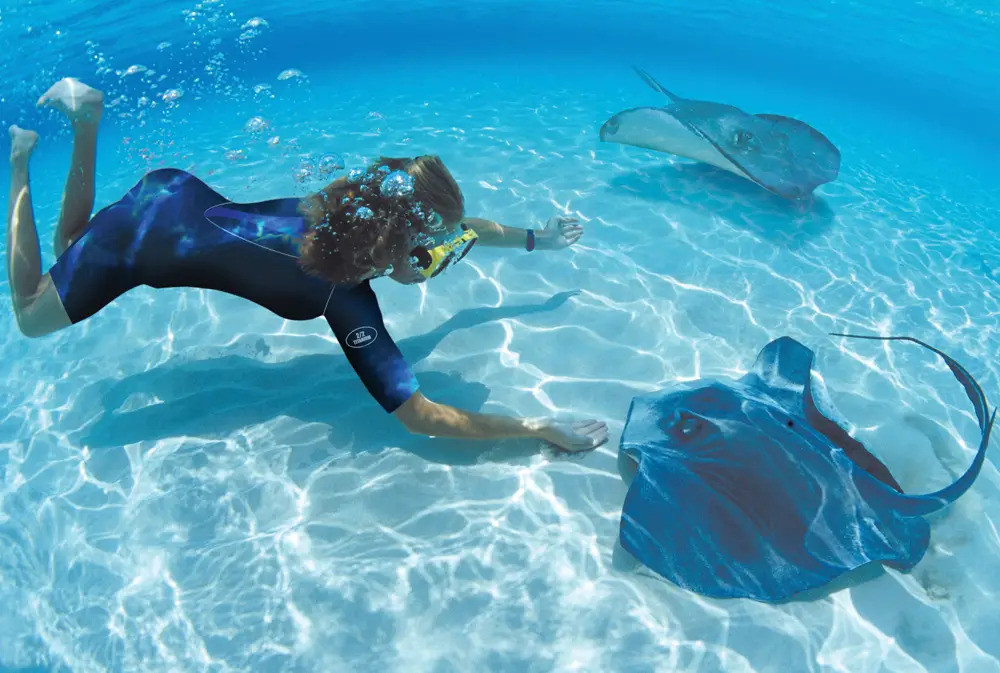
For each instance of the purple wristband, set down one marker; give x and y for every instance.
(531, 240)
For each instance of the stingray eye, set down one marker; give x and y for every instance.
(686, 426)
(689, 425)
(611, 126)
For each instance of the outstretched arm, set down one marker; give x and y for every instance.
(559, 232)
(356, 319)
(422, 416)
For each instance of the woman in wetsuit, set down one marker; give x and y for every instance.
(300, 258)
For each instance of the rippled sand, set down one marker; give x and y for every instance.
(191, 483)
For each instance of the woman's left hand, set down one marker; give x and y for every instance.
(559, 232)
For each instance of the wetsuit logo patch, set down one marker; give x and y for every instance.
(361, 337)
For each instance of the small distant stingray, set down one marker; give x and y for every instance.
(748, 489)
(781, 154)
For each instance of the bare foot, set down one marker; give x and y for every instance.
(79, 102)
(22, 143)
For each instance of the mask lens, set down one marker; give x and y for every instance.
(423, 257)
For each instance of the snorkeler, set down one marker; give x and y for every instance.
(299, 258)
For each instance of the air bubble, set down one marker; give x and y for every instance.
(255, 22)
(256, 126)
(397, 184)
(329, 163)
(305, 170)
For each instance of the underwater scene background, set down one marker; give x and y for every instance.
(188, 482)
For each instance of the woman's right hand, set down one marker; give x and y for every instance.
(574, 435)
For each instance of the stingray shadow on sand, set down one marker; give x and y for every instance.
(219, 396)
(740, 203)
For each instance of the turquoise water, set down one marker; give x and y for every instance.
(191, 483)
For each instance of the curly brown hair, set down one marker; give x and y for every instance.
(353, 230)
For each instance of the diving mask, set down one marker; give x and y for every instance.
(429, 262)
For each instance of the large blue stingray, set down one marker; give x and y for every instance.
(748, 489)
(781, 154)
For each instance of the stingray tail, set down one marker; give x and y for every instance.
(654, 85)
(916, 505)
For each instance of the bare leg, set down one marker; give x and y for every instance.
(83, 106)
(37, 305)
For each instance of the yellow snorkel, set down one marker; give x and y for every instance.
(429, 262)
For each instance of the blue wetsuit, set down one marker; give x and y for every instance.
(160, 235)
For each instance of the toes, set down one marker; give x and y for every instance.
(47, 101)
(48, 97)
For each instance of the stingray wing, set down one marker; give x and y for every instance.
(768, 507)
(856, 520)
(782, 155)
(727, 519)
(658, 129)
(817, 157)
(783, 369)
(681, 527)
(729, 536)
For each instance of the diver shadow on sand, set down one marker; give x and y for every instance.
(218, 396)
(739, 202)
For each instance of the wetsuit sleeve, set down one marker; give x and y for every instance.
(356, 319)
